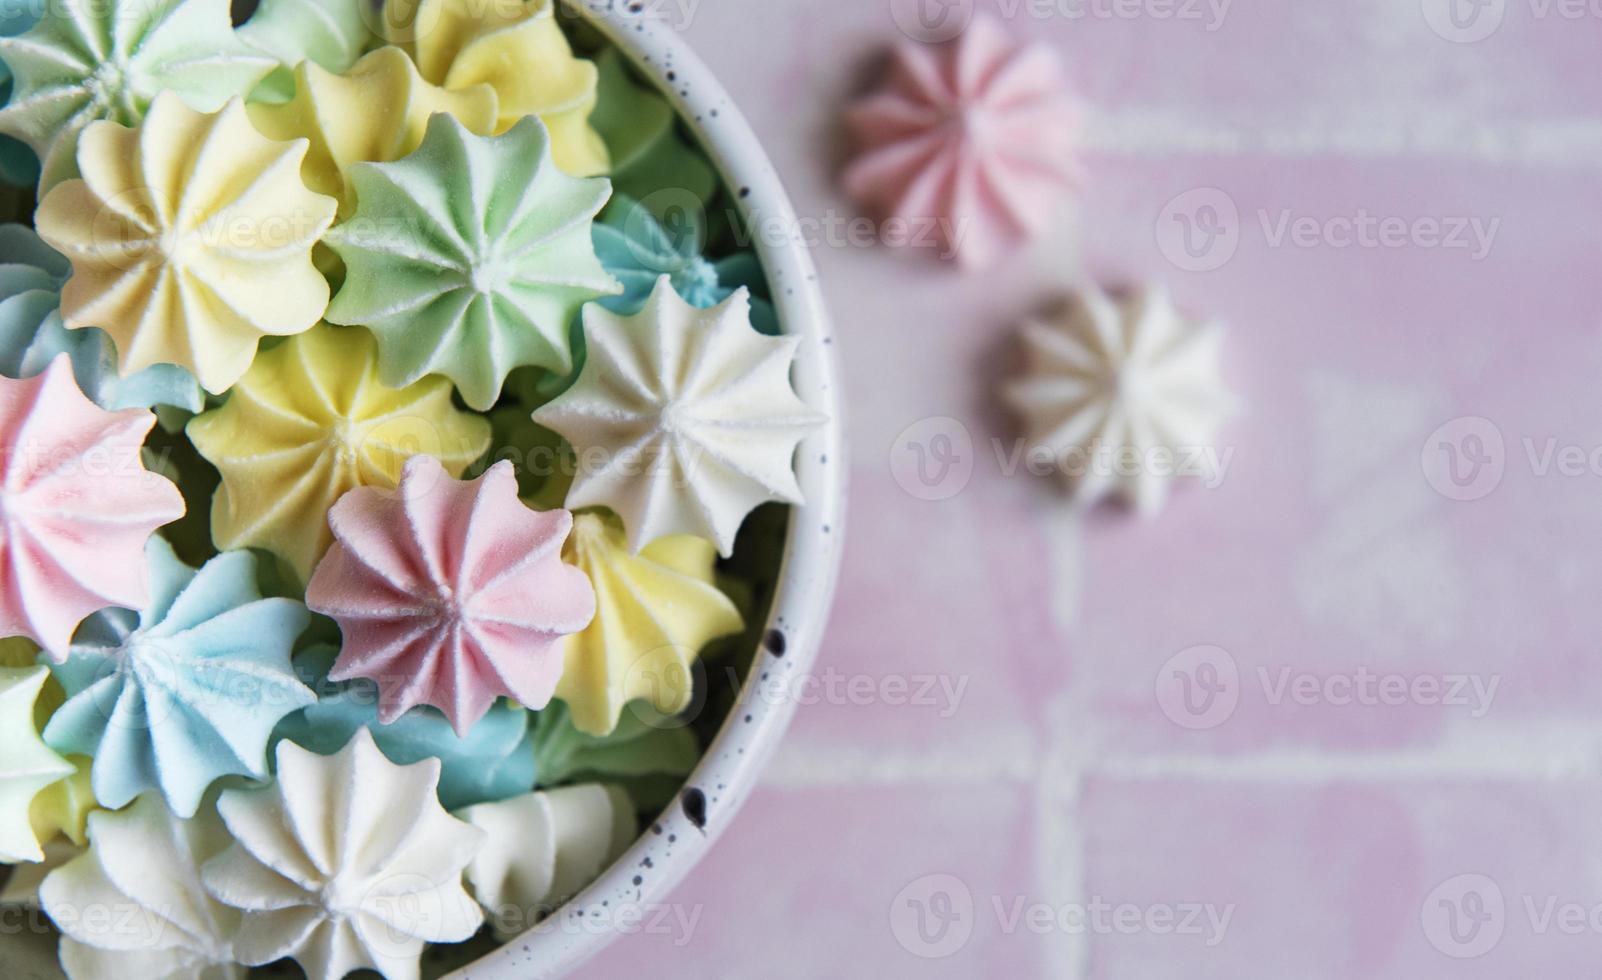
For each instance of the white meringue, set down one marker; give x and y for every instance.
(347, 861)
(144, 859)
(542, 848)
(683, 419)
(1124, 393)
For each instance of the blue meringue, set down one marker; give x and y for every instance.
(493, 762)
(32, 334)
(185, 692)
(637, 250)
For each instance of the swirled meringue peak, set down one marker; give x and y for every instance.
(655, 611)
(187, 690)
(145, 860)
(540, 849)
(345, 862)
(27, 765)
(470, 257)
(450, 593)
(375, 111)
(1114, 386)
(107, 59)
(32, 334)
(691, 413)
(972, 140)
(493, 761)
(76, 507)
(311, 421)
(516, 48)
(190, 239)
(330, 33)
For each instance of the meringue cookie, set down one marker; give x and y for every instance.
(21, 888)
(517, 49)
(543, 848)
(145, 860)
(1113, 383)
(635, 248)
(651, 162)
(32, 334)
(346, 862)
(493, 761)
(973, 139)
(26, 764)
(186, 691)
(108, 59)
(330, 33)
(694, 413)
(376, 111)
(449, 594)
(190, 239)
(309, 422)
(61, 809)
(76, 507)
(19, 165)
(648, 753)
(470, 257)
(654, 613)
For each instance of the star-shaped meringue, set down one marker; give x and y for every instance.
(688, 414)
(450, 593)
(27, 765)
(1125, 393)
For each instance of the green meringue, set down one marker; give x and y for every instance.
(651, 162)
(470, 257)
(330, 33)
(106, 59)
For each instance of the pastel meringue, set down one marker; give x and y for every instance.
(972, 140)
(345, 862)
(185, 691)
(329, 33)
(376, 111)
(21, 889)
(133, 905)
(648, 753)
(636, 249)
(516, 48)
(76, 507)
(311, 421)
(692, 412)
(651, 162)
(109, 59)
(27, 765)
(1121, 391)
(493, 761)
(470, 257)
(541, 849)
(450, 594)
(32, 334)
(190, 239)
(655, 611)
(19, 165)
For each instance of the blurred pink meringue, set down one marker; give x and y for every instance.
(969, 144)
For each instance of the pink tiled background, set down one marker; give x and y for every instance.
(1340, 840)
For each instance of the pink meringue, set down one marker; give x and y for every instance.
(970, 142)
(450, 593)
(76, 507)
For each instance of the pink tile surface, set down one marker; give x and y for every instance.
(1335, 831)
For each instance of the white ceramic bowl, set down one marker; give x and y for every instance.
(726, 774)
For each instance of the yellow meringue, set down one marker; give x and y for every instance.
(190, 238)
(517, 49)
(311, 421)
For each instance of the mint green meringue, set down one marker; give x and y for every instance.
(329, 33)
(469, 258)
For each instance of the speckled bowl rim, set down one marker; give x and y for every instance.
(713, 793)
